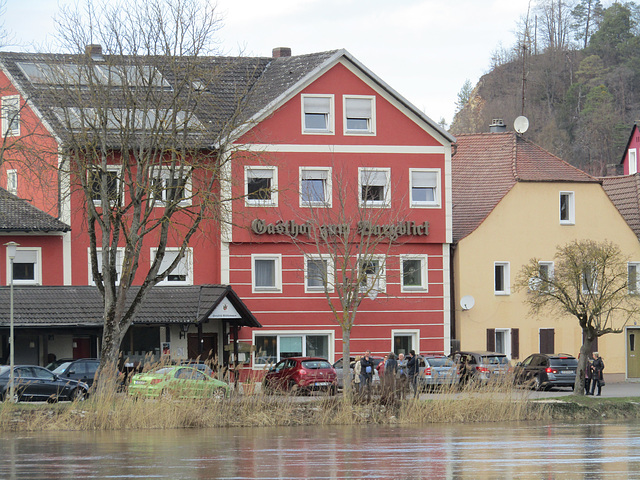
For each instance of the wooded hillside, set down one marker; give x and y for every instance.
(574, 73)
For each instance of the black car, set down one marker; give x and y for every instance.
(39, 384)
(83, 369)
(542, 371)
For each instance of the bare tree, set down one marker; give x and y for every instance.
(143, 132)
(555, 23)
(591, 282)
(349, 247)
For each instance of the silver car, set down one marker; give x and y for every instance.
(480, 366)
(438, 370)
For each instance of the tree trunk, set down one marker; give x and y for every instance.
(346, 362)
(585, 351)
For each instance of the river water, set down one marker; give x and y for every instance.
(470, 451)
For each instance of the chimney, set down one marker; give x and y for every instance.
(281, 52)
(497, 126)
(94, 51)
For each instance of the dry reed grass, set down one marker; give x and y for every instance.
(113, 410)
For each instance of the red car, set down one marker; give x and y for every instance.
(301, 374)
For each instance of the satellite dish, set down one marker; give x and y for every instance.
(467, 302)
(521, 124)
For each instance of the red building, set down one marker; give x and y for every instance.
(322, 134)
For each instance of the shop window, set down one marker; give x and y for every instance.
(271, 348)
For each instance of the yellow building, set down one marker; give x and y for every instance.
(513, 201)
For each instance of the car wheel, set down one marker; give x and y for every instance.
(78, 395)
(52, 399)
(166, 394)
(266, 388)
(219, 393)
(537, 385)
(331, 390)
(294, 388)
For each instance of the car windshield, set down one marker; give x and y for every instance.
(316, 364)
(440, 362)
(494, 360)
(61, 368)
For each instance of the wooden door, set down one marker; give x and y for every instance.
(81, 348)
(209, 343)
(633, 353)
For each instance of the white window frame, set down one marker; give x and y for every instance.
(594, 279)
(330, 130)
(425, 204)
(277, 259)
(37, 268)
(164, 174)
(188, 258)
(10, 102)
(12, 181)
(380, 278)
(507, 340)
(110, 168)
(415, 339)
(633, 161)
(424, 287)
(571, 206)
(119, 263)
(633, 289)
(271, 202)
(371, 127)
(534, 283)
(328, 187)
(293, 333)
(506, 278)
(330, 274)
(386, 201)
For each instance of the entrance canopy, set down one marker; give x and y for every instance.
(68, 306)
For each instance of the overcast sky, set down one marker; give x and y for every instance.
(424, 49)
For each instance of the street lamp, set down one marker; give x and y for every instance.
(11, 253)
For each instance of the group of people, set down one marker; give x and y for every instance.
(593, 376)
(396, 373)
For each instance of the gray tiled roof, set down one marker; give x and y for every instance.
(68, 306)
(17, 215)
(242, 87)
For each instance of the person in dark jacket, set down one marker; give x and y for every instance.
(597, 377)
(366, 371)
(413, 368)
(389, 379)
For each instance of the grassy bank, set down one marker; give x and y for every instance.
(118, 411)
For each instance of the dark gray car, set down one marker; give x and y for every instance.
(83, 370)
(543, 371)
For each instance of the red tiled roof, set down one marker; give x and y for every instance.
(624, 192)
(486, 166)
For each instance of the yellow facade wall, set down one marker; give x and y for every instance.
(526, 224)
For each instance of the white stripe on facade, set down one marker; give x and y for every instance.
(394, 149)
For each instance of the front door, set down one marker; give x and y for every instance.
(209, 342)
(81, 348)
(633, 353)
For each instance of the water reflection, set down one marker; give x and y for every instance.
(509, 451)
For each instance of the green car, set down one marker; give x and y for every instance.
(177, 382)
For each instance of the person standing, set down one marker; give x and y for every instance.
(380, 367)
(389, 383)
(401, 375)
(367, 366)
(587, 376)
(597, 377)
(357, 374)
(413, 367)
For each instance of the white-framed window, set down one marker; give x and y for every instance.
(94, 178)
(315, 186)
(318, 273)
(359, 114)
(119, 263)
(413, 273)
(266, 273)
(590, 280)
(372, 273)
(403, 341)
(182, 274)
(169, 186)
(633, 280)
(12, 181)
(633, 161)
(271, 347)
(501, 279)
(318, 114)
(503, 341)
(425, 187)
(27, 266)
(374, 185)
(261, 186)
(11, 116)
(567, 208)
(545, 273)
